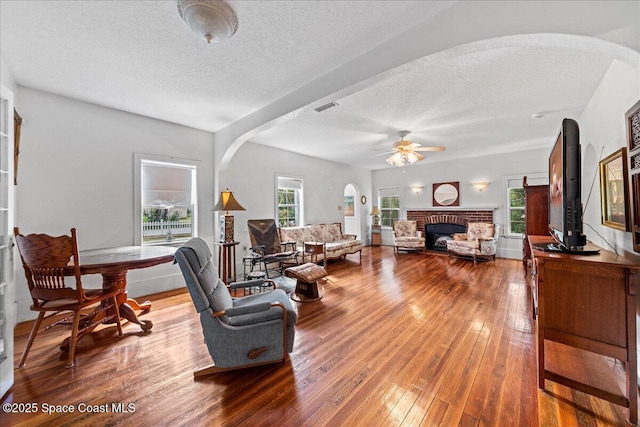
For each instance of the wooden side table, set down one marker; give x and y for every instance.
(376, 235)
(312, 249)
(227, 261)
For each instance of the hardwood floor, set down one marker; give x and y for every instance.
(407, 340)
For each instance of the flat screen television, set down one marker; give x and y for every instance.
(565, 187)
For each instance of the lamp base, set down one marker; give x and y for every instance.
(226, 228)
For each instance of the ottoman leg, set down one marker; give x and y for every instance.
(306, 292)
(307, 276)
(308, 289)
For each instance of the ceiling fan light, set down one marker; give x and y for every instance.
(407, 151)
(412, 157)
(213, 20)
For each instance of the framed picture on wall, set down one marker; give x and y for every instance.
(613, 190)
(632, 119)
(348, 206)
(633, 127)
(17, 122)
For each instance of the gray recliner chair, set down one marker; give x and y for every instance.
(239, 332)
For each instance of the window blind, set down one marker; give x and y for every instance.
(166, 185)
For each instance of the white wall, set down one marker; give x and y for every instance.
(6, 78)
(251, 176)
(76, 170)
(602, 125)
(493, 168)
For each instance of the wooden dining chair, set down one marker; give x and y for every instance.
(46, 261)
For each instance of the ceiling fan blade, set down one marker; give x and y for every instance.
(433, 148)
(420, 156)
(386, 153)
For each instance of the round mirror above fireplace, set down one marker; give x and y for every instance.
(446, 194)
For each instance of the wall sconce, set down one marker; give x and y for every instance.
(417, 188)
(480, 185)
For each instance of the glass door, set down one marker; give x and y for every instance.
(7, 283)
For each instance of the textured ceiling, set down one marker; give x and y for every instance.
(472, 103)
(138, 56)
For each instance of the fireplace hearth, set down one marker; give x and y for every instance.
(439, 228)
(438, 234)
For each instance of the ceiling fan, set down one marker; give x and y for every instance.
(406, 151)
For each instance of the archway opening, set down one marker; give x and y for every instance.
(352, 210)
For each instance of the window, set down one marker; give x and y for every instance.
(389, 205)
(289, 202)
(516, 210)
(167, 211)
(515, 214)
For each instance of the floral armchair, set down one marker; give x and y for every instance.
(480, 240)
(407, 237)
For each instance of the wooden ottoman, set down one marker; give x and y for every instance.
(307, 276)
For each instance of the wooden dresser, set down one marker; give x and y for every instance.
(585, 302)
(536, 215)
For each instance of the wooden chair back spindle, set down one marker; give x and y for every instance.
(45, 259)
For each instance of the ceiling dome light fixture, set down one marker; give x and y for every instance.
(214, 20)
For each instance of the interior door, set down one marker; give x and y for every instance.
(7, 283)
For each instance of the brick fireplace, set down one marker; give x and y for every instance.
(446, 222)
(471, 215)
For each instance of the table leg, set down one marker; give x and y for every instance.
(227, 263)
(127, 306)
(126, 312)
(233, 264)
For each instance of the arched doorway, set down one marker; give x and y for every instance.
(352, 210)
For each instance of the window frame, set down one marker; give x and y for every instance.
(281, 181)
(154, 159)
(512, 182)
(389, 192)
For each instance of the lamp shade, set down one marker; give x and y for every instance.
(227, 202)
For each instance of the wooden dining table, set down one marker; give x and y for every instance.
(113, 264)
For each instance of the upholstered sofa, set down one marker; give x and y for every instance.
(335, 244)
(406, 236)
(480, 241)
